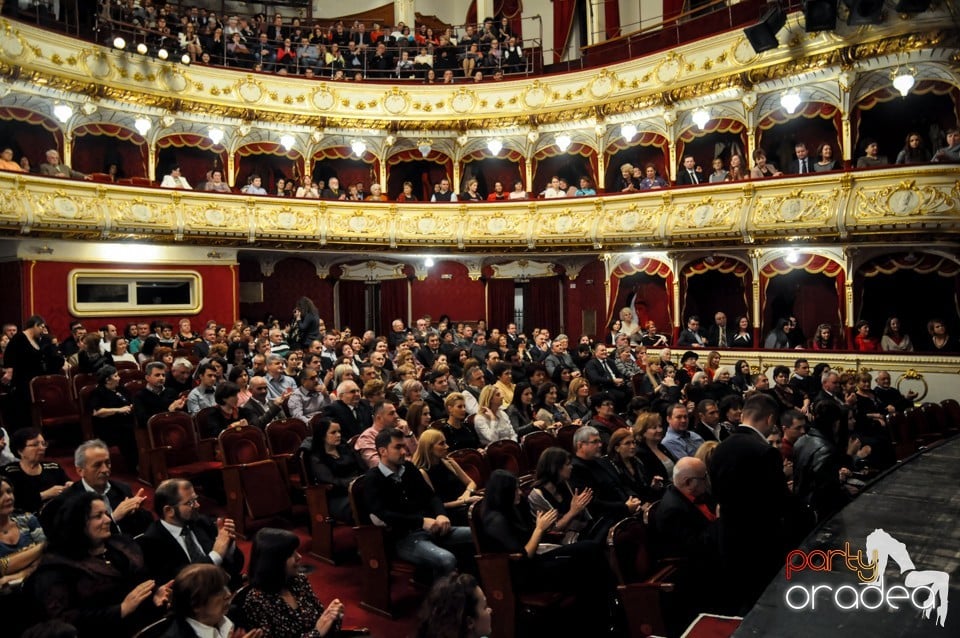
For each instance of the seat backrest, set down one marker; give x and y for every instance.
(201, 422)
(132, 388)
(473, 518)
(284, 436)
(52, 392)
(473, 463)
(174, 430)
(534, 444)
(264, 491)
(952, 409)
(357, 504)
(243, 445)
(126, 365)
(936, 417)
(629, 552)
(84, 400)
(506, 455)
(81, 379)
(565, 437)
(155, 629)
(130, 374)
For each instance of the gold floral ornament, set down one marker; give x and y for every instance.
(250, 90)
(604, 84)
(535, 95)
(463, 100)
(395, 101)
(905, 199)
(915, 382)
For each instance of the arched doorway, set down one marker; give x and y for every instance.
(195, 154)
(340, 162)
(647, 148)
(97, 145)
(815, 124)
(647, 288)
(423, 172)
(721, 137)
(29, 134)
(811, 288)
(578, 160)
(715, 284)
(270, 161)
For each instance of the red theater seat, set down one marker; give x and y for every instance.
(174, 450)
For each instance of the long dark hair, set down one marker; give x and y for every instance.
(517, 401)
(449, 608)
(306, 307)
(268, 558)
(501, 490)
(548, 467)
(318, 443)
(69, 534)
(540, 400)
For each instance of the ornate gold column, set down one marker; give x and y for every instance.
(152, 162)
(600, 177)
(846, 80)
(67, 148)
(231, 169)
(670, 117)
(749, 101)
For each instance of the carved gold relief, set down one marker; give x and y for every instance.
(633, 219)
(216, 217)
(798, 207)
(604, 84)
(426, 225)
(905, 199)
(250, 90)
(496, 227)
(535, 95)
(287, 221)
(358, 223)
(61, 208)
(395, 101)
(138, 213)
(698, 216)
(565, 222)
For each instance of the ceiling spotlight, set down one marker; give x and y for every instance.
(701, 117)
(428, 262)
(563, 142)
(63, 112)
(185, 59)
(864, 12)
(287, 141)
(215, 135)
(359, 147)
(629, 131)
(142, 48)
(495, 146)
(424, 147)
(903, 81)
(142, 125)
(763, 35)
(634, 260)
(162, 54)
(819, 15)
(792, 257)
(119, 43)
(790, 101)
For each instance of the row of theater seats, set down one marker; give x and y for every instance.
(918, 428)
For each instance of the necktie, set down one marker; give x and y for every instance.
(606, 366)
(723, 338)
(693, 178)
(803, 166)
(193, 547)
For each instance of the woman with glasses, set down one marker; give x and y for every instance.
(92, 579)
(35, 480)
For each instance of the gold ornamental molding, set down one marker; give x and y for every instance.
(695, 70)
(916, 203)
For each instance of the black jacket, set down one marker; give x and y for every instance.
(816, 474)
(130, 525)
(351, 426)
(164, 557)
(401, 505)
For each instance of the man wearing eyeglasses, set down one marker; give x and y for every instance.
(183, 536)
(611, 500)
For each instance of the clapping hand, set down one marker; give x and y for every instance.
(545, 520)
(580, 500)
(129, 505)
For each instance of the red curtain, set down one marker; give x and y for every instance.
(544, 304)
(500, 309)
(423, 172)
(352, 297)
(578, 160)
(194, 153)
(95, 149)
(291, 279)
(659, 308)
(393, 303)
(29, 133)
(611, 15)
(563, 13)
(715, 284)
(804, 296)
(489, 170)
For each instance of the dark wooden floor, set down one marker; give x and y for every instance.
(918, 504)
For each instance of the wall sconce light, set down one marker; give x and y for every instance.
(215, 135)
(792, 257)
(495, 146)
(287, 141)
(790, 101)
(63, 112)
(428, 262)
(359, 147)
(701, 117)
(629, 131)
(563, 142)
(903, 80)
(142, 125)
(424, 146)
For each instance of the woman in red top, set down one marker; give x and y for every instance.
(407, 194)
(863, 341)
(824, 338)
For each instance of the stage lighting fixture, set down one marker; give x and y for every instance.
(819, 15)
(912, 6)
(119, 43)
(142, 49)
(864, 12)
(162, 54)
(763, 35)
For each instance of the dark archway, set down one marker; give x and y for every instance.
(713, 291)
(810, 297)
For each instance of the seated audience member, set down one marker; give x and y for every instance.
(553, 190)
(92, 460)
(35, 481)
(6, 455)
(353, 416)
(862, 340)
(55, 168)
(7, 163)
(113, 418)
(708, 421)
(577, 404)
(280, 599)
(894, 339)
(778, 338)
(913, 151)
(310, 398)
(227, 415)
(950, 152)
(825, 160)
(456, 607)
(521, 413)
(216, 184)
(175, 180)
(611, 500)
(547, 408)
(90, 358)
(737, 171)
(491, 421)
(398, 497)
(407, 193)
(182, 536)
(552, 492)
(651, 180)
(823, 340)
(22, 542)
(384, 418)
(200, 600)
(93, 579)
(459, 433)
(202, 396)
(471, 194)
(939, 339)
(871, 155)
(605, 418)
(332, 461)
(679, 440)
(817, 463)
(578, 567)
(622, 455)
(761, 168)
(586, 188)
(254, 186)
(518, 192)
(444, 476)
(259, 411)
(719, 173)
(181, 376)
(802, 164)
(891, 397)
(688, 174)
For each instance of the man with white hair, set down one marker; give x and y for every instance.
(348, 411)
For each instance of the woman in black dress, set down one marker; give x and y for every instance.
(113, 419)
(35, 481)
(445, 476)
(307, 326)
(332, 462)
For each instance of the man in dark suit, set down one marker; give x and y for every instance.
(92, 459)
(802, 380)
(182, 536)
(602, 376)
(611, 501)
(690, 336)
(720, 335)
(258, 410)
(155, 397)
(708, 422)
(746, 474)
(348, 411)
(202, 348)
(802, 165)
(687, 174)
(436, 385)
(428, 355)
(397, 496)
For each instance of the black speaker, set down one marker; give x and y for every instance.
(912, 6)
(820, 15)
(763, 35)
(864, 12)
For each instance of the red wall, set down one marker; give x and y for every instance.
(584, 297)
(11, 310)
(291, 279)
(459, 297)
(45, 293)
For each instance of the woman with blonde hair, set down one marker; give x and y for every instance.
(713, 363)
(492, 422)
(444, 475)
(656, 459)
(705, 451)
(576, 404)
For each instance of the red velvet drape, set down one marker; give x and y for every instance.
(500, 307)
(490, 170)
(611, 16)
(394, 303)
(563, 13)
(94, 152)
(352, 296)
(542, 305)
